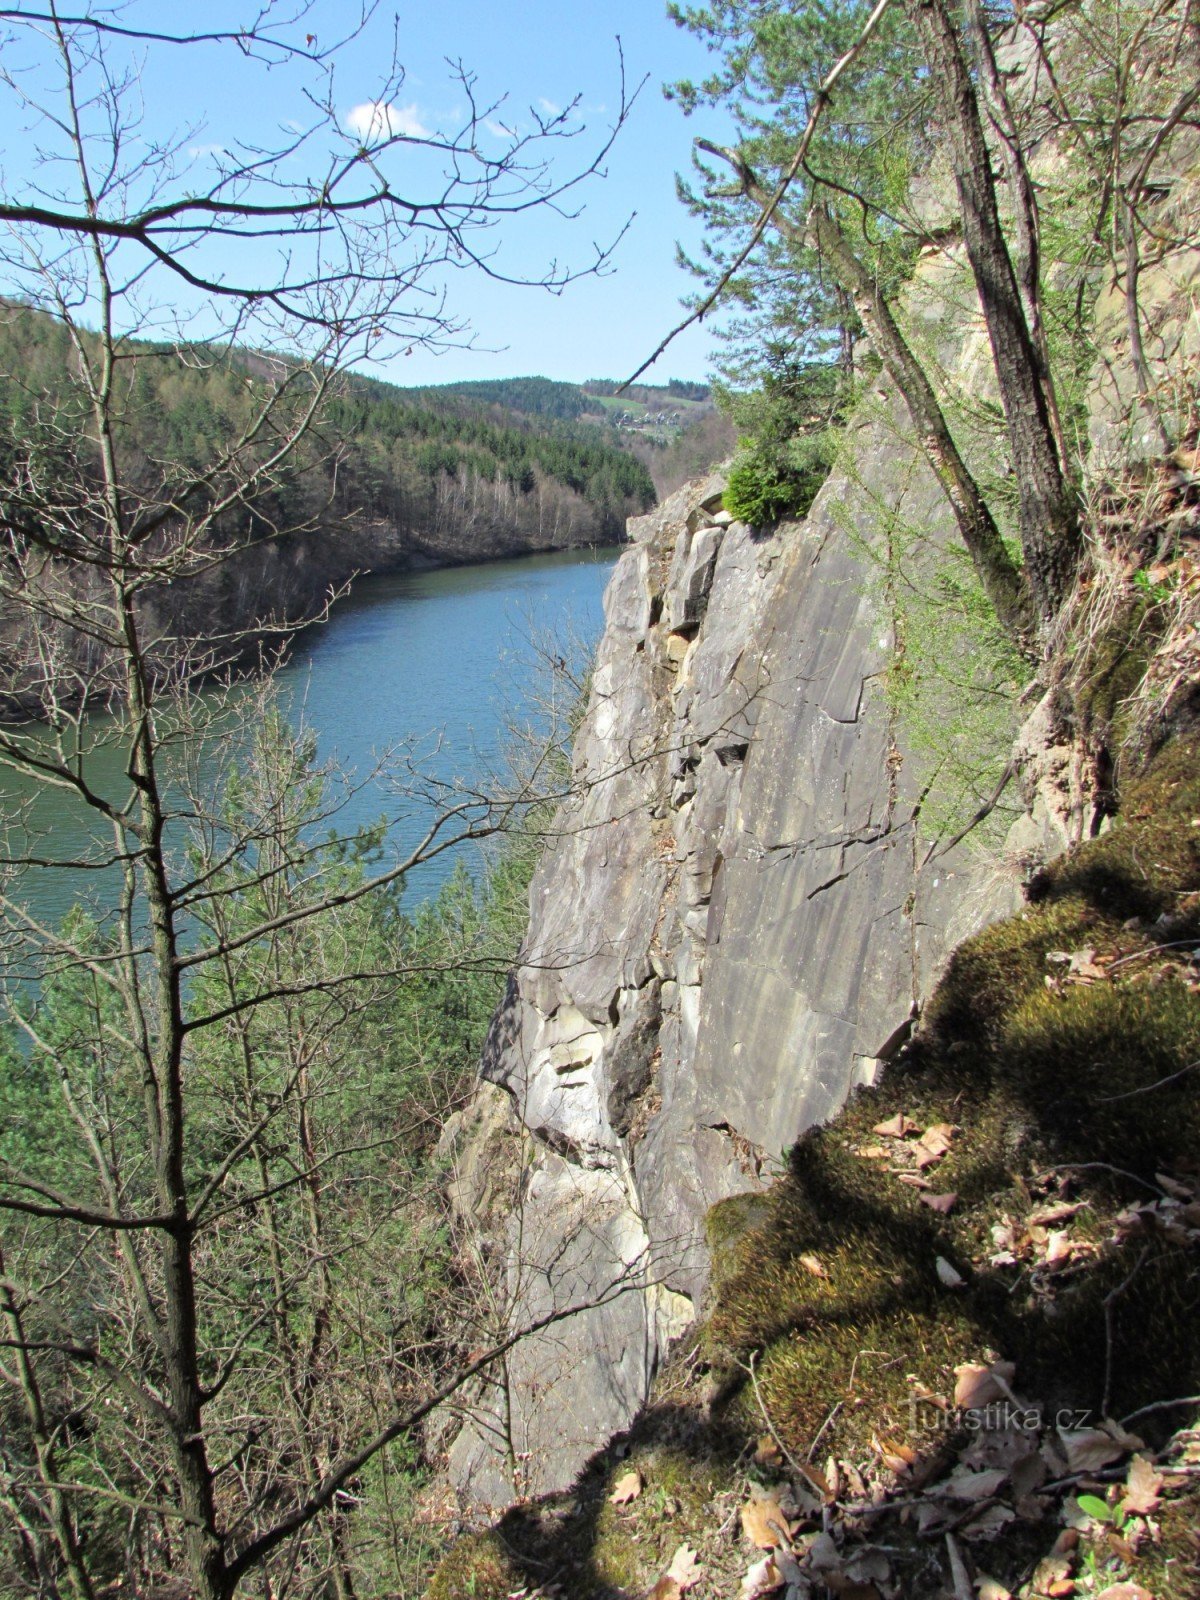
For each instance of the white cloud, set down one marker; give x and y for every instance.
(498, 129)
(549, 107)
(376, 120)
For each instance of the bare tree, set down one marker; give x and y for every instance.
(182, 1208)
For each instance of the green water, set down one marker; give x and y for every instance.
(434, 666)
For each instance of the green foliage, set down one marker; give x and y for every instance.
(873, 134)
(181, 407)
(347, 1037)
(788, 434)
(765, 485)
(532, 397)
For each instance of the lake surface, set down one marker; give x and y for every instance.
(437, 665)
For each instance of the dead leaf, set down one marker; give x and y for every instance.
(894, 1454)
(948, 1275)
(977, 1386)
(823, 1554)
(872, 1152)
(1059, 1247)
(812, 1264)
(943, 1204)
(1089, 1449)
(988, 1523)
(1046, 1216)
(989, 1589)
(868, 1565)
(767, 1453)
(761, 1578)
(1053, 1568)
(627, 1488)
(665, 1589)
(973, 1485)
(1142, 1485)
(1172, 1186)
(896, 1127)
(915, 1180)
(764, 1523)
(685, 1568)
(934, 1143)
(1124, 1591)
(1028, 1474)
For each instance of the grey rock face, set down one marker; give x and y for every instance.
(741, 916)
(730, 931)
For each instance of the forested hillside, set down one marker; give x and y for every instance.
(382, 479)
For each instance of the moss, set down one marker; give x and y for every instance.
(829, 1281)
(634, 1544)
(1110, 669)
(477, 1565)
(726, 1223)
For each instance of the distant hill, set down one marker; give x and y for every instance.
(389, 477)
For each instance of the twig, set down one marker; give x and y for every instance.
(1103, 1166)
(964, 1589)
(985, 811)
(812, 1449)
(1111, 1099)
(797, 1467)
(1160, 1405)
(820, 99)
(1153, 950)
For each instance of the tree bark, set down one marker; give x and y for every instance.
(1002, 581)
(1048, 520)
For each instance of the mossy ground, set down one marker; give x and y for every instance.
(1071, 1091)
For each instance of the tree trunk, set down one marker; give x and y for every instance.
(1049, 525)
(1002, 582)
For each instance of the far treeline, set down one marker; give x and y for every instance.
(385, 478)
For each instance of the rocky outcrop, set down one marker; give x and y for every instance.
(746, 904)
(737, 922)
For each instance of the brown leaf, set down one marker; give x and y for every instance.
(1124, 1591)
(896, 1127)
(943, 1204)
(812, 1264)
(760, 1579)
(973, 1485)
(934, 1143)
(764, 1523)
(628, 1487)
(1059, 1247)
(914, 1180)
(893, 1453)
(990, 1589)
(767, 1453)
(665, 1589)
(1089, 1449)
(819, 1482)
(872, 1152)
(1046, 1216)
(988, 1523)
(685, 1569)
(1051, 1569)
(1172, 1186)
(1142, 1485)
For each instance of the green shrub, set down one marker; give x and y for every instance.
(768, 482)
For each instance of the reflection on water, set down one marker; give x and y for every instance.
(440, 662)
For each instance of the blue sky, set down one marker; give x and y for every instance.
(542, 56)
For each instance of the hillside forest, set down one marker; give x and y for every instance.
(241, 1315)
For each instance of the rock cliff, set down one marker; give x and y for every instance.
(748, 901)
(737, 921)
